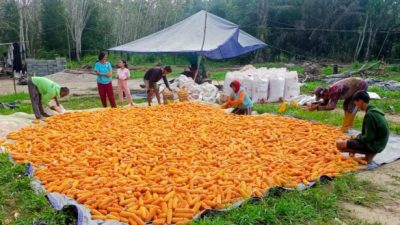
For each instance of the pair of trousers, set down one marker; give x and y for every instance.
(106, 90)
(36, 100)
(238, 111)
(123, 88)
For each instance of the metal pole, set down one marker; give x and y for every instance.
(202, 44)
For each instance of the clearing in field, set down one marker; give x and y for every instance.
(168, 163)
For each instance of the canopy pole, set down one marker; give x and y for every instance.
(202, 44)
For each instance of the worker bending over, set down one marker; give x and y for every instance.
(341, 90)
(151, 78)
(239, 99)
(375, 130)
(41, 90)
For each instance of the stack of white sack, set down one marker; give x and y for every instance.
(265, 85)
(205, 92)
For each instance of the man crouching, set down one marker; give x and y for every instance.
(375, 130)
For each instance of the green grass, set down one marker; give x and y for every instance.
(218, 75)
(77, 103)
(390, 99)
(19, 204)
(389, 103)
(19, 98)
(327, 117)
(69, 103)
(319, 205)
(309, 87)
(328, 70)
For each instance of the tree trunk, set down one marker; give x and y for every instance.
(69, 45)
(383, 44)
(361, 39)
(78, 13)
(262, 17)
(371, 41)
(78, 48)
(21, 30)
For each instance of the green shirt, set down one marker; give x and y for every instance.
(47, 88)
(375, 130)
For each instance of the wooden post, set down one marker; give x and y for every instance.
(335, 69)
(15, 86)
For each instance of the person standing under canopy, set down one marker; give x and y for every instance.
(151, 78)
(341, 90)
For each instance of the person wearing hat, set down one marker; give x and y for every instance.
(375, 130)
(42, 90)
(151, 78)
(239, 99)
(341, 90)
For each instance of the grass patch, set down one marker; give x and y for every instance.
(390, 99)
(19, 98)
(79, 103)
(17, 198)
(70, 103)
(218, 75)
(327, 117)
(319, 205)
(360, 192)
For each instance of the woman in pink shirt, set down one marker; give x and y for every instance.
(123, 75)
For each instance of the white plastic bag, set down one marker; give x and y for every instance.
(292, 87)
(247, 84)
(247, 68)
(183, 81)
(57, 109)
(209, 93)
(260, 89)
(230, 76)
(276, 88)
(194, 91)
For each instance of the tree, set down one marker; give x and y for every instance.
(9, 26)
(54, 30)
(77, 15)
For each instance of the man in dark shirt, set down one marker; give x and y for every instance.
(151, 78)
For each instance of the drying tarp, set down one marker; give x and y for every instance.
(59, 201)
(222, 39)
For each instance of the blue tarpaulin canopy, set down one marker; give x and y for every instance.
(203, 33)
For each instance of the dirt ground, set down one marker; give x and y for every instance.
(387, 211)
(79, 84)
